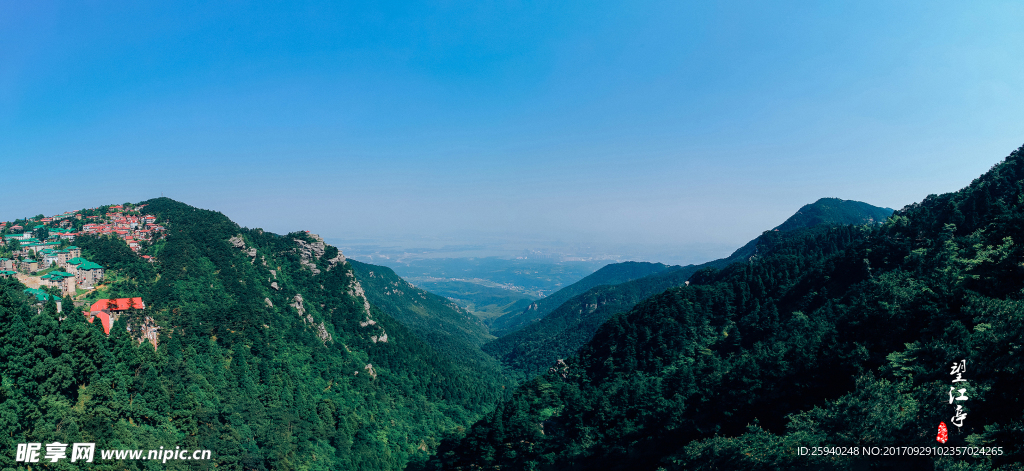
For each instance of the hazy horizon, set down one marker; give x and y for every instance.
(671, 133)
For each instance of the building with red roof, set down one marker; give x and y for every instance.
(119, 304)
(108, 310)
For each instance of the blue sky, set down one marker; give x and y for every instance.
(681, 129)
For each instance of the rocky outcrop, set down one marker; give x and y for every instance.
(142, 329)
(320, 328)
(561, 368)
(337, 260)
(239, 243)
(309, 252)
(269, 304)
(322, 333)
(356, 291)
(297, 304)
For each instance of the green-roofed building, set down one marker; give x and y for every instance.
(7, 273)
(63, 280)
(40, 295)
(29, 265)
(90, 266)
(89, 274)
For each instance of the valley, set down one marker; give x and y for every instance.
(462, 364)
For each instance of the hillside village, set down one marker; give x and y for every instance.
(41, 254)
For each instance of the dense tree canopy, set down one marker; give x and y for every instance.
(830, 336)
(268, 356)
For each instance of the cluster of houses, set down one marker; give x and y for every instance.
(127, 227)
(130, 226)
(75, 271)
(68, 271)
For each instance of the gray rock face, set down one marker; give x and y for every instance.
(237, 241)
(337, 260)
(321, 328)
(297, 304)
(309, 252)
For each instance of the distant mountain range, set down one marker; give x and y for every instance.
(608, 275)
(822, 339)
(556, 326)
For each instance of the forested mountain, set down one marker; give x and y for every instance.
(437, 321)
(831, 337)
(537, 346)
(269, 354)
(611, 274)
(835, 211)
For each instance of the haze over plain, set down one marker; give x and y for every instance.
(652, 130)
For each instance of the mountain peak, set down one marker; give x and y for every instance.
(835, 211)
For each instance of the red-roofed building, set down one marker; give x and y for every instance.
(119, 304)
(104, 319)
(107, 310)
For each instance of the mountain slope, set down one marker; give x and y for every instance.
(535, 348)
(269, 354)
(831, 337)
(437, 321)
(611, 274)
(835, 211)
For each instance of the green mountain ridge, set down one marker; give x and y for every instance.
(439, 322)
(270, 354)
(537, 346)
(832, 336)
(611, 274)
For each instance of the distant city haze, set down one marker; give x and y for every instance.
(574, 130)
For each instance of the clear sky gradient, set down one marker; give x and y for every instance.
(610, 124)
